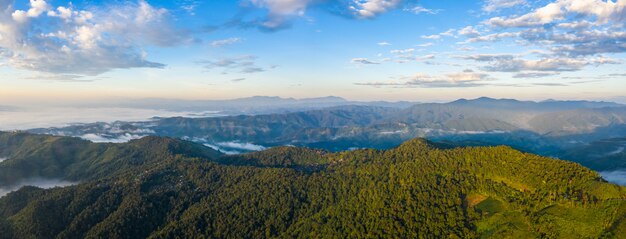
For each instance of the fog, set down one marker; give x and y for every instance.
(37, 182)
(97, 138)
(29, 118)
(240, 145)
(224, 151)
(234, 147)
(617, 177)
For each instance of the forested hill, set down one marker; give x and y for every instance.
(68, 158)
(414, 190)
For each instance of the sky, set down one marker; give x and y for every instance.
(430, 50)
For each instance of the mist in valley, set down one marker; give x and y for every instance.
(36, 182)
(617, 177)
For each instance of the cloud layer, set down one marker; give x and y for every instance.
(64, 40)
(280, 13)
(617, 177)
(245, 64)
(466, 78)
(571, 35)
(37, 182)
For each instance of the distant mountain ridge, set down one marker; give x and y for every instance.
(247, 105)
(548, 128)
(548, 105)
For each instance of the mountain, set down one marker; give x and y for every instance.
(248, 105)
(548, 128)
(482, 114)
(600, 155)
(526, 115)
(73, 159)
(579, 120)
(547, 105)
(415, 189)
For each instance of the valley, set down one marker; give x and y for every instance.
(563, 129)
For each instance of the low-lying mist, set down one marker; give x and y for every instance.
(37, 182)
(617, 177)
(29, 118)
(98, 138)
(234, 147)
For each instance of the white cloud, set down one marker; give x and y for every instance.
(239, 64)
(98, 138)
(84, 42)
(535, 75)
(397, 56)
(234, 147)
(224, 151)
(281, 11)
(617, 177)
(513, 63)
(372, 8)
(420, 9)
(602, 11)
(406, 55)
(283, 7)
(432, 37)
(469, 31)
(448, 33)
(572, 34)
(493, 37)
(384, 43)
(466, 78)
(225, 42)
(37, 7)
(242, 145)
(403, 51)
(547, 14)
(579, 42)
(495, 5)
(63, 12)
(36, 182)
(575, 25)
(425, 44)
(363, 61)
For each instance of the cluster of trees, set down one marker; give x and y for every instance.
(413, 191)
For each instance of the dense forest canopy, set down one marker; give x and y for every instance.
(167, 188)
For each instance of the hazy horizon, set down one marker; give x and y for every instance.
(56, 102)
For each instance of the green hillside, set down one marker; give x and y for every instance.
(180, 190)
(42, 156)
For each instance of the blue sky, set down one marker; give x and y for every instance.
(362, 50)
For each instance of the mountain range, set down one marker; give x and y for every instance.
(550, 128)
(247, 105)
(157, 187)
